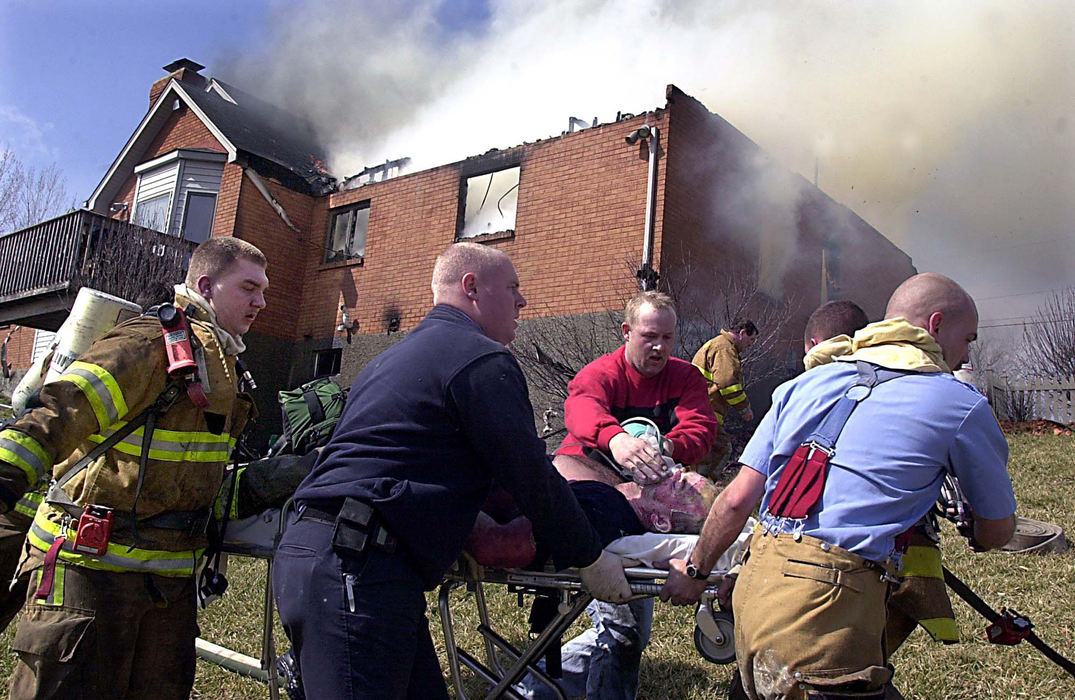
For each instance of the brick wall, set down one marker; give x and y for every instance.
(20, 348)
(182, 129)
(257, 222)
(578, 235)
(730, 207)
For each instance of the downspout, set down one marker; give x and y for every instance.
(260, 184)
(647, 276)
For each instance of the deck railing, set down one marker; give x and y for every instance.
(84, 248)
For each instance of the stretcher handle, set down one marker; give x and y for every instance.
(654, 589)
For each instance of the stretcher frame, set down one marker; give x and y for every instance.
(573, 599)
(263, 669)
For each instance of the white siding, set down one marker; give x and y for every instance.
(42, 340)
(155, 183)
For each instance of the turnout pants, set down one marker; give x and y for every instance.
(809, 621)
(106, 635)
(13, 529)
(357, 624)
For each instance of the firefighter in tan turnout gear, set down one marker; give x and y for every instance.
(111, 606)
(718, 359)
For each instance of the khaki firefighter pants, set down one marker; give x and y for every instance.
(809, 621)
(106, 635)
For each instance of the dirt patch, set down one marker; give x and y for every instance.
(1035, 427)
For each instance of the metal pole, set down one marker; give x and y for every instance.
(651, 208)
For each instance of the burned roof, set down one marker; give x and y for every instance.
(265, 131)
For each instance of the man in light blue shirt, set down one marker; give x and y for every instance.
(809, 602)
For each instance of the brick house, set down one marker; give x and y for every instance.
(350, 261)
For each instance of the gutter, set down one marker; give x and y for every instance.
(264, 190)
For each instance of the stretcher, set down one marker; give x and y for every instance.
(506, 664)
(254, 537)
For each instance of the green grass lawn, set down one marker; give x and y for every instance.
(1043, 470)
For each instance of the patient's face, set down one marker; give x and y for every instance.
(673, 505)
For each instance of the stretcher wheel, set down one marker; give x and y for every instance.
(719, 648)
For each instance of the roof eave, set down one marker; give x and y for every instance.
(142, 133)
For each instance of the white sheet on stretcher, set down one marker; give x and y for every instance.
(655, 549)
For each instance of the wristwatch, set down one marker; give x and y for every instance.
(696, 573)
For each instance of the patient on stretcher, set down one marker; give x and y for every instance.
(502, 538)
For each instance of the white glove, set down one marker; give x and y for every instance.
(604, 579)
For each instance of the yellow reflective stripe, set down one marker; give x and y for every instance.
(922, 562)
(172, 445)
(720, 419)
(705, 373)
(25, 453)
(101, 390)
(55, 596)
(942, 629)
(29, 502)
(118, 557)
(738, 400)
(731, 389)
(229, 489)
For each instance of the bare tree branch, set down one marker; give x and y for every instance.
(1049, 341)
(28, 195)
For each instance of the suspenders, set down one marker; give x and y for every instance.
(803, 480)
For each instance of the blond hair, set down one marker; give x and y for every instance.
(658, 300)
(216, 255)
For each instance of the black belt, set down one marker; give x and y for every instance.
(193, 522)
(356, 525)
(310, 511)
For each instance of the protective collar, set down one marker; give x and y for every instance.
(185, 296)
(896, 344)
(827, 350)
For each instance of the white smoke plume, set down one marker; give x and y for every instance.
(948, 126)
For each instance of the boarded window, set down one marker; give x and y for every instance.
(347, 233)
(490, 201)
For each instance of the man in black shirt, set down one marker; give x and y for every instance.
(429, 426)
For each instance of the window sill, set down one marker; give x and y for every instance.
(353, 262)
(488, 237)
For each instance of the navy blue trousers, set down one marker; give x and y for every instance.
(358, 624)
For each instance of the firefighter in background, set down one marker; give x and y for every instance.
(719, 361)
(111, 605)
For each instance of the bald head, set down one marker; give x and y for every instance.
(456, 261)
(939, 305)
(481, 282)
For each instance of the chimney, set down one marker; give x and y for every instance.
(184, 70)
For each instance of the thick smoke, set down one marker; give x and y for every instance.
(948, 126)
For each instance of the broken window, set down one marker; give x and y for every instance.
(347, 233)
(327, 362)
(490, 201)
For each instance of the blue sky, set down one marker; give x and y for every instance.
(948, 126)
(76, 75)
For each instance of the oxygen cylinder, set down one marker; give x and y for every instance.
(31, 381)
(93, 314)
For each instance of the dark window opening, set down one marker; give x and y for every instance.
(347, 234)
(490, 201)
(327, 362)
(198, 216)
